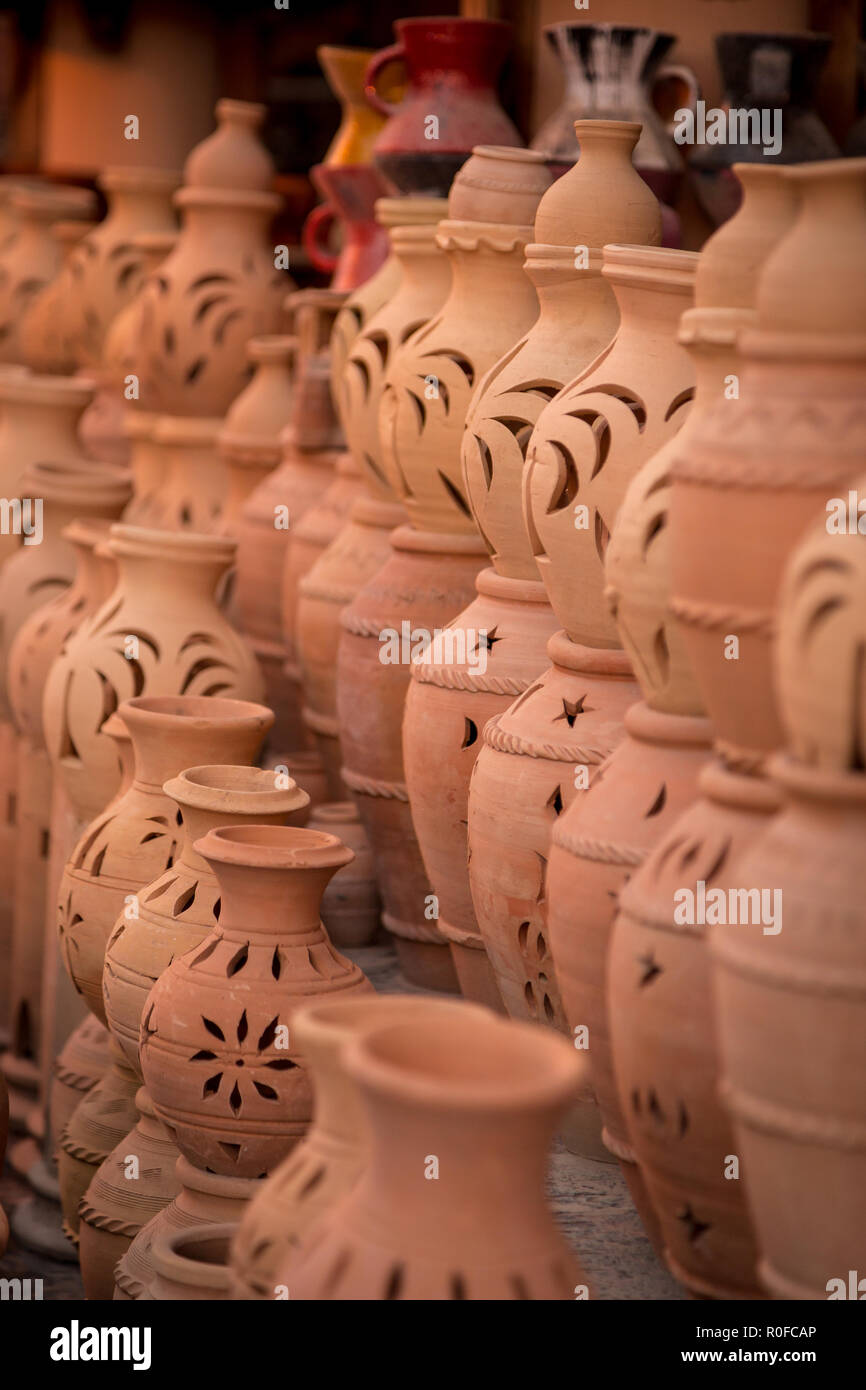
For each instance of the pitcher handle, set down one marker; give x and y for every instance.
(315, 230)
(684, 75)
(394, 53)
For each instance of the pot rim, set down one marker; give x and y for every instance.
(273, 847)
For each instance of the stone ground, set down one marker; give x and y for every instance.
(590, 1201)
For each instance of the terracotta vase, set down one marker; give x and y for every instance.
(32, 257)
(350, 194)
(192, 1265)
(356, 552)
(452, 67)
(137, 838)
(105, 1115)
(332, 1158)
(462, 1097)
(360, 124)
(219, 287)
(30, 580)
(790, 996)
(351, 908)
(159, 633)
(81, 1063)
(249, 442)
(427, 392)
(45, 345)
(4, 1130)
(217, 1052)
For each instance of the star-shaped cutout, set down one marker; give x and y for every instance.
(570, 710)
(694, 1227)
(486, 640)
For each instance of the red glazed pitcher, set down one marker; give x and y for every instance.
(450, 104)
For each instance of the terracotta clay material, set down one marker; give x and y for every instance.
(137, 838)
(45, 346)
(464, 1095)
(452, 67)
(327, 1165)
(160, 632)
(351, 908)
(217, 1053)
(192, 1265)
(32, 257)
(81, 1063)
(105, 1116)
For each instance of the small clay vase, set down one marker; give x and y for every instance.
(45, 345)
(217, 1053)
(219, 287)
(159, 633)
(192, 1265)
(177, 910)
(105, 1115)
(452, 67)
(351, 907)
(249, 442)
(448, 1102)
(329, 1162)
(790, 995)
(137, 838)
(31, 256)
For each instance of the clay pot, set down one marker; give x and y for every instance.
(192, 1265)
(329, 1162)
(789, 995)
(427, 577)
(81, 1063)
(249, 441)
(452, 67)
(463, 1095)
(177, 910)
(216, 1052)
(105, 1116)
(4, 1130)
(743, 497)
(137, 838)
(360, 124)
(164, 606)
(32, 257)
(45, 344)
(219, 287)
(350, 194)
(350, 903)
(203, 1199)
(667, 1077)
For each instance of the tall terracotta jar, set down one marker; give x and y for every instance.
(31, 578)
(576, 319)
(106, 1113)
(171, 916)
(777, 485)
(217, 1050)
(791, 1001)
(45, 345)
(428, 388)
(103, 275)
(218, 288)
(351, 907)
(651, 777)
(129, 845)
(448, 1103)
(160, 632)
(329, 1162)
(32, 257)
(358, 549)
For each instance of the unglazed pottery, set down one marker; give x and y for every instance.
(427, 392)
(178, 909)
(425, 1220)
(138, 836)
(31, 256)
(220, 286)
(45, 345)
(81, 1063)
(217, 1051)
(106, 1114)
(331, 1159)
(159, 633)
(790, 1002)
(450, 103)
(351, 908)
(192, 1265)
(249, 441)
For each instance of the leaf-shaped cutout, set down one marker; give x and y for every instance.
(238, 960)
(470, 733)
(266, 1092)
(213, 1028)
(268, 1035)
(96, 867)
(235, 1099)
(184, 900)
(276, 964)
(203, 1055)
(455, 494)
(206, 951)
(211, 1086)
(567, 481)
(659, 802)
(243, 1027)
(281, 1064)
(602, 536)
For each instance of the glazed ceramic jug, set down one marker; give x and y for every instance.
(790, 1001)
(217, 1050)
(331, 1159)
(427, 393)
(450, 104)
(160, 632)
(763, 72)
(350, 194)
(448, 1103)
(360, 124)
(355, 553)
(171, 916)
(611, 71)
